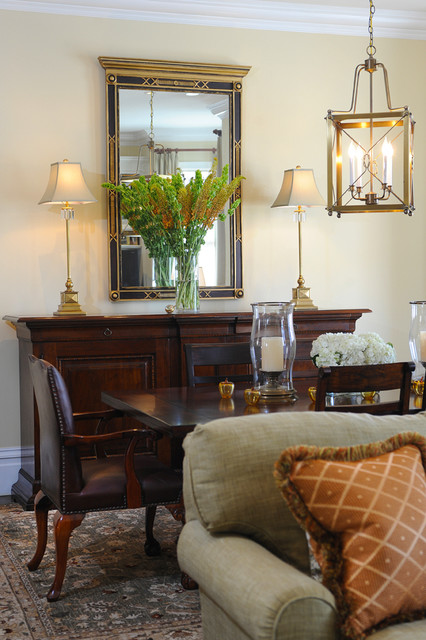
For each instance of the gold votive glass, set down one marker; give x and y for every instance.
(417, 387)
(226, 389)
(369, 396)
(312, 391)
(251, 396)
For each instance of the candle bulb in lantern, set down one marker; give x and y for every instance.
(359, 154)
(356, 156)
(387, 152)
(272, 354)
(351, 153)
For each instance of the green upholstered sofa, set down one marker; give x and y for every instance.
(240, 542)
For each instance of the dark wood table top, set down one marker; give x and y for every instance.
(176, 410)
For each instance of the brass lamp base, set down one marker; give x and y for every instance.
(302, 298)
(69, 304)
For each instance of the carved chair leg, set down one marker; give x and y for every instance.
(187, 582)
(177, 511)
(42, 504)
(63, 527)
(151, 546)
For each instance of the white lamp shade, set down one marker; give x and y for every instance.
(298, 189)
(66, 184)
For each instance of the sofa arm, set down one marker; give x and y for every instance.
(263, 595)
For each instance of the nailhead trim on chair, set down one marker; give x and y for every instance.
(60, 416)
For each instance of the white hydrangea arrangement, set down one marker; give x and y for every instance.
(339, 349)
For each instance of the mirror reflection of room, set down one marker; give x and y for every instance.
(164, 132)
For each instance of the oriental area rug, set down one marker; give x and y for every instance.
(111, 588)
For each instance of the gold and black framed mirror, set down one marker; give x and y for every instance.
(164, 117)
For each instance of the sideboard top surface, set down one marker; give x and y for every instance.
(164, 318)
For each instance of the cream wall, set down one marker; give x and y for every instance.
(52, 107)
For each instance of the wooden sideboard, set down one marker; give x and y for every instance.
(134, 352)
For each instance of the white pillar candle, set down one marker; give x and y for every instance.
(422, 335)
(272, 354)
(387, 152)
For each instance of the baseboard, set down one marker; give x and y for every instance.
(10, 463)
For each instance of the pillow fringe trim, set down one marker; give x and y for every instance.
(329, 544)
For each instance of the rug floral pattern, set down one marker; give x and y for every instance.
(111, 588)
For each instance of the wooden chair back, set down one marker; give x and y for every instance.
(366, 378)
(212, 363)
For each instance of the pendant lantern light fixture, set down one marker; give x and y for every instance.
(370, 153)
(147, 151)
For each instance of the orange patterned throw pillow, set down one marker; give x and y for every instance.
(365, 510)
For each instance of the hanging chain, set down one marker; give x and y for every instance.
(371, 49)
(151, 133)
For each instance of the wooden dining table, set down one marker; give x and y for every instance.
(175, 411)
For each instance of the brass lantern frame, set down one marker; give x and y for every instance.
(342, 126)
(342, 200)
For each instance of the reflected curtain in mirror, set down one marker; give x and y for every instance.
(164, 117)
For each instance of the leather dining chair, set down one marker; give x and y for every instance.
(366, 378)
(210, 363)
(75, 485)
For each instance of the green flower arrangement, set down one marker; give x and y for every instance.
(166, 211)
(173, 218)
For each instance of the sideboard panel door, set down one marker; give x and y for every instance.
(87, 377)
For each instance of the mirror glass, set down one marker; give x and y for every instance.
(188, 130)
(161, 123)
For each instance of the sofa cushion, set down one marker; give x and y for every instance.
(365, 509)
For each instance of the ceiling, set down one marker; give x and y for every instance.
(344, 17)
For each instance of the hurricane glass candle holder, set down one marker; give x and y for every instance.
(417, 337)
(273, 349)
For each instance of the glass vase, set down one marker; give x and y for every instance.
(163, 275)
(273, 349)
(417, 337)
(187, 290)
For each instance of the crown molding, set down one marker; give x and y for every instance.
(267, 15)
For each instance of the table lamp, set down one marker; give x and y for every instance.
(67, 186)
(299, 190)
